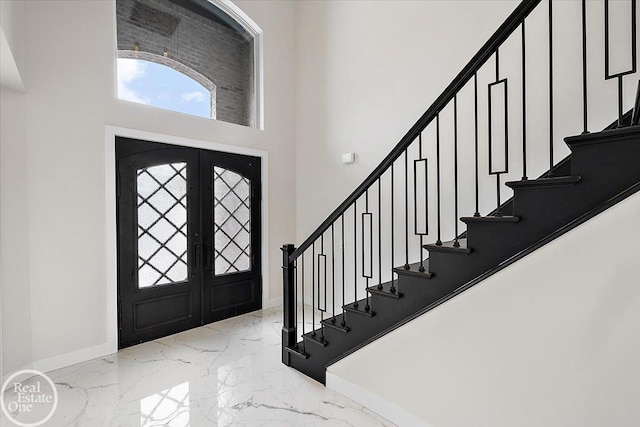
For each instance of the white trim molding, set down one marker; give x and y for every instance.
(111, 132)
(369, 400)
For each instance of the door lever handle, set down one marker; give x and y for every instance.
(207, 255)
(196, 255)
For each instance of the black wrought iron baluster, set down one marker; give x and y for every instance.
(620, 102)
(380, 233)
(344, 312)
(322, 311)
(439, 240)
(313, 289)
(355, 254)
(524, 105)
(585, 117)
(551, 88)
(295, 293)
(456, 242)
(393, 287)
(475, 102)
(620, 75)
(325, 289)
(498, 173)
(635, 117)
(426, 207)
(303, 307)
(406, 208)
(333, 274)
(366, 276)
(424, 232)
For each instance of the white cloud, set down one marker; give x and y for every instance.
(193, 96)
(130, 70)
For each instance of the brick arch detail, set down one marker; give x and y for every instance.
(177, 66)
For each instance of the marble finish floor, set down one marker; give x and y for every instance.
(227, 373)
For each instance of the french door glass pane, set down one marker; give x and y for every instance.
(231, 222)
(162, 224)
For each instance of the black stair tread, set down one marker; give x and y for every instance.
(553, 182)
(337, 324)
(414, 270)
(297, 351)
(490, 218)
(603, 137)
(449, 247)
(385, 290)
(359, 309)
(315, 337)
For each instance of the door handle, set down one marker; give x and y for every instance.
(196, 255)
(207, 255)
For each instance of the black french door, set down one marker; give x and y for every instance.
(188, 238)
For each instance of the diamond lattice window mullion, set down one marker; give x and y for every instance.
(231, 214)
(229, 204)
(169, 195)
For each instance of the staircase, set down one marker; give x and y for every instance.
(353, 290)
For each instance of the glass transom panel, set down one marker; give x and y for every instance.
(162, 224)
(231, 222)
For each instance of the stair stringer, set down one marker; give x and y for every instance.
(550, 340)
(563, 208)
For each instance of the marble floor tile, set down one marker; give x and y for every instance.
(227, 373)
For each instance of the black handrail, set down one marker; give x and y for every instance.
(486, 51)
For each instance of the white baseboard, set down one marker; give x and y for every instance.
(72, 358)
(274, 302)
(8, 374)
(85, 354)
(369, 400)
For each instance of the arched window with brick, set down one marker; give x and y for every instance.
(199, 57)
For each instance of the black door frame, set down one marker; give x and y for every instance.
(113, 132)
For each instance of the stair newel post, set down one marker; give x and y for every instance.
(289, 328)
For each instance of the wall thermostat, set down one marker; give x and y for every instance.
(348, 158)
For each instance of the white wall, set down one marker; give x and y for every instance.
(367, 70)
(553, 340)
(14, 242)
(70, 57)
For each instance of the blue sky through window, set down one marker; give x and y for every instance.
(154, 84)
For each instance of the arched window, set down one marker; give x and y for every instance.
(198, 57)
(161, 82)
